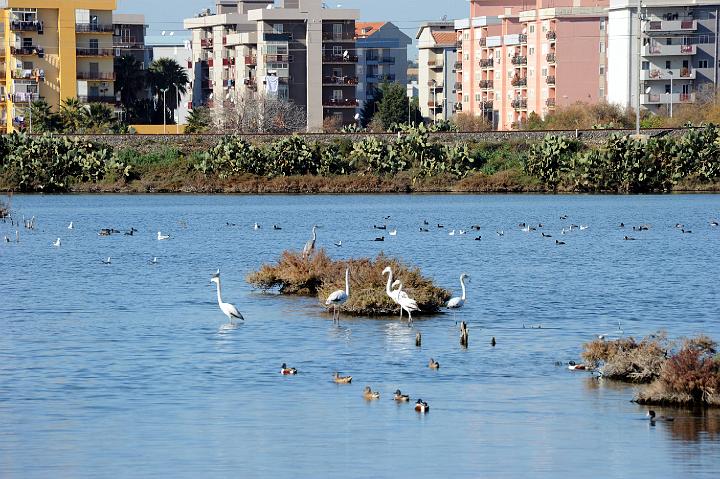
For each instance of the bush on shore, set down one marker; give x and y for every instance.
(627, 360)
(318, 275)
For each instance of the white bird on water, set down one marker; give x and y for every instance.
(459, 302)
(393, 232)
(70, 226)
(310, 245)
(57, 243)
(153, 261)
(162, 236)
(339, 297)
(406, 302)
(452, 233)
(228, 309)
(107, 261)
(256, 227)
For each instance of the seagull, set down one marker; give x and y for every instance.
(70, 226)
(393, 232)
(228, 309)
(461, 232)
(452, 233)
(57, 243)
(256, 227)
(162, 236)
(153, 261)
(339, 297)
(107, 261)
(584, 227)
(339, 244)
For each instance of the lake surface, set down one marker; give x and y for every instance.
(131, 370)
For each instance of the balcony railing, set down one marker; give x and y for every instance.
(458, 85)
(26, 26)
(250, 84)
(550, 102)
(275, 58)
(523, 38)
(458, 44)
(486, 105)
(665, 98)
(97, 99)
(21, 97)
(519, 81)
(458, 66)
(687, 25)
(93, 28)
(438, 63)
(250, 60)
(519, 60)
(550, 57)
(31, 50)
(206, 42)
(550, 80)
(487, 63)
(486, 84)
(95, 52)
(338, 36)
(551, 35)
(519, 103)
(665, 74)
(339, 58)
(482, 42)
(103, 76)
(669, 50)
(458, 106)
(342, 103)
(334, 80)
(36, 74)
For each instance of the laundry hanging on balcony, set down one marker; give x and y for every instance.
(271, 84)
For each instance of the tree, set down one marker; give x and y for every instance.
(259, 113)
(44, 120)
(72, 117)
(130, 80)
(370, 107)
(99, 118)
(393, 108)
(167, 74)
(199, 120)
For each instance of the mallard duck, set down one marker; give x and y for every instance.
(284, 370)
(421, 406)
(433, 364)
(369, 394)
(342, 379)
(400, 397)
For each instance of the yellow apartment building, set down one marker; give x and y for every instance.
(54, 50)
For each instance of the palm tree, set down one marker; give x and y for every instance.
(198, 120)
(166, 73)
(44, 120)
(99, 118)
(72, 116)
(129, 79)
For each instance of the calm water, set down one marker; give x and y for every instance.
(129, 370)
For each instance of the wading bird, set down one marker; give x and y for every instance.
(459, 302)
(228, 309)
(310, 245)
(406, 302)
(339, 297)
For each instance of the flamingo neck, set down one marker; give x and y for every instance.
(314, 235)
(219, 293)
(462, 285)
(389, 283)
(347, 282)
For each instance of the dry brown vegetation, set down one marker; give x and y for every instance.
(627, 360)
(318, 275)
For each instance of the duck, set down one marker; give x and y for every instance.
(400, 397)
(584, 227)
(577, 367)
(475, 227)
(452, 233)
(380, 227)
(342, 379)
(493, 343)
(478, 238)
(679, 225)
(563, 217)
(685, 231)
(107, 261)
(433, 364)
(651, 415)
(105, 232)
(338, 244)
(369, 394)
(276, 227)
(424, 230)
(629, 238)
(422, 406)
(153, 261)
(714, 223)
(545, 235)
(500, 233)
(162, 237)
(461, 232)
(621, 225)
(379, 238)
(256, 226)
(440, 226)
(559, 242)
(425, 222)
(286, 371)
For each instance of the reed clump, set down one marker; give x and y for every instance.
(627, 360)
(319, 275)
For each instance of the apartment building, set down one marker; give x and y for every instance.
(41, 57)
(129, 32)
(678, 59)
(526, 57)
(437, 64)
(299, 50)
(382, 57)
(177, 49)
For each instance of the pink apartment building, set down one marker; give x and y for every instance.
(521, 56)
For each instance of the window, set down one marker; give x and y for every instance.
(466, 98)
(466, 36)
(703, 64)
(532, 29)
(531, 72)
(337, 50)
(498, 54)
(667, 88)
(668, 64)
(544, 72)
(27, 65)
(602, 47)
(531, 51)
(277, 28)
(646, 66)
(27, 42)
(601, 95)
(337, 95)
(602, 24)
(602, 70)
(668, 41)
(478, 97)
(337, 29)
(338, 116)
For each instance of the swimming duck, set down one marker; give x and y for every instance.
(107, 261)
(286, 371)
(475, 227)
(440, 226)
(424, 230)
(276, 227)
(576, 367)
(105, 232)
(714, 223)
(379, 238)
(161, 236)
(400, 397)
(256, 226)
(369, 394)
(629, 238)
(685, 231)
(500, 233)
(422, 406)
(544, 235)
(651, 415)
(478, 238)
(559, 242)
(433, 364)
(342, 379)
(381, 227)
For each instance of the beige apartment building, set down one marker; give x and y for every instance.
(437, 63)
(522, 57)
(298, 50)
(54, 50)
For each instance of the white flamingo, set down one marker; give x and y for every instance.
(339, 297)
(310, 245)
(406, 302)
(228, 309)
(459, 302)
(162, 237)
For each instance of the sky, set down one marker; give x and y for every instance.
(168, 15)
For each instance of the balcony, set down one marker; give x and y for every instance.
(523, 38)
(28, 50)
(36, 74)
(458, 106)
(550, 80)
(458, 44)
(275, 58)
(250, 60)
(486, 105)
(550, 102)
(519, 60)
(339, 58)
(26, 26)
(93, 28)
(458, 86)
(387, 60)
(458, 66)
(341, 103)
(97, 99)
(675, 74)
(21, 97)
(669, 50)
(97, 76)
(206, 43)
(250, 84)
(487, 63)
(436, 63)
(519, 103)
(551, 58)
(486, 84)
(519, 81)
(435, 106)
(551, 35)
(338, 36)
(342, 81)
(665, 98)
(482, 42)
(657, 26)
(95, 52)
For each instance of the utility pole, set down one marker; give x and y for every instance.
(164, 91)
(177, 108)
(638, 90)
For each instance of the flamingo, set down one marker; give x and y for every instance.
(391, 294)
(228, 309)
(339, 297)
(459, 302)
(310, 245)
(406, 302)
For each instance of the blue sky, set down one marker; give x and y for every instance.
(406, 14)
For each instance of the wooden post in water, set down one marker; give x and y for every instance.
(493, 342)
(418, 339)
(463, 334)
